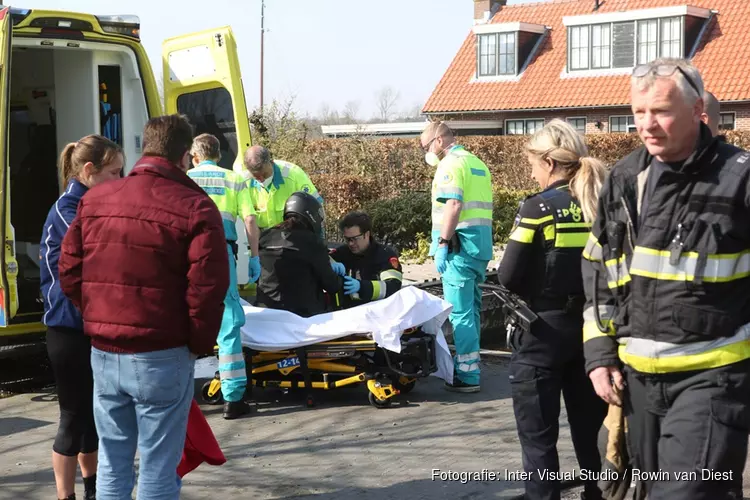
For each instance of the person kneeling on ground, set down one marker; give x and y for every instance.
(295, 267)
(372, 269)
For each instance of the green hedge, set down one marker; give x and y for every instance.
(405, 220)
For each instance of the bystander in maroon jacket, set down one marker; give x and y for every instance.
(145, 260)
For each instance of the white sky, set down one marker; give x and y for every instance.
(317, 51)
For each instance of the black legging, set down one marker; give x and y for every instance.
(69, 352)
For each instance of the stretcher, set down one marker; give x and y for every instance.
(387, 346)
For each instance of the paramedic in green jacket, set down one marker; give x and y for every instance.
(461, 242)
(229, 191)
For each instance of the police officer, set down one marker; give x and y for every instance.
(230, 193)
(461, 242)
(272, 182)
(295, 266)
(667, 331)
(373, 270)
(541, 264)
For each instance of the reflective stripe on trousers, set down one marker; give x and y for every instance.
(231, 361)
(461, 289)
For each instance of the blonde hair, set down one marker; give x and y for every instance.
(206, 147)
(94, 148)
(561, 143)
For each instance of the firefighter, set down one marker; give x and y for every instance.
(541, 264)
(295, 265)
(230, 193)
(461, 242)
(373, 269)
(666, 273)
(272, 182)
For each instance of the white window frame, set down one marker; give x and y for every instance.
(629, 128)
(639, 42)
(586, 47)
(585, 122)
(525, 124)
(734, 119)
(638, 23)
(609, 46)
(491, 62)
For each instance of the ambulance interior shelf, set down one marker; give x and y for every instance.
(110, 103)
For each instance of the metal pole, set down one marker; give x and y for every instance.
(262, 32)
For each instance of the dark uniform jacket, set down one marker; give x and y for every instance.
(541, 260)
(377, 269)
(295, 270)
(541, 263)
(671, 286)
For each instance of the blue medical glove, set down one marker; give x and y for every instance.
(351, 285)
(254, 269)
(338, 268)
(441, 259)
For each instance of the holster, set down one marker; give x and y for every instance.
(235, 248)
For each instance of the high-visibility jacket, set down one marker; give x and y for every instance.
(671, 286)
(542, 259)
(228, 190)
(269, 202)
(464, 177)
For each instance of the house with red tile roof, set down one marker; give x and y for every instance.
(522, 65)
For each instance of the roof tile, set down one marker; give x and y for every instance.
(723, 58)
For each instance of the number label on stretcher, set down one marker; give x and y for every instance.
(288, 363)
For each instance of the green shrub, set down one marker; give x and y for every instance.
(505, 205)
(397, 221)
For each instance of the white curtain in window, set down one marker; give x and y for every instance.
(671, 31)
(647, 46)
(600, 46)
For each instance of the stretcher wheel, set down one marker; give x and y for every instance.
(378, 403)
(215, 399)
(404, 388)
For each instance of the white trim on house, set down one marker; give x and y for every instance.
(404, 127)
(584, 118)
(483, 29)
(627, 126)
(734, 118)
(524, 120)
(636, 15)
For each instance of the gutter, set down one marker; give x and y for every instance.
(532, 110)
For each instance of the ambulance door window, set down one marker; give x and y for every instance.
(210, 112)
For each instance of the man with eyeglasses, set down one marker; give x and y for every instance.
(461, 242)
(667, 280)
(373, 271)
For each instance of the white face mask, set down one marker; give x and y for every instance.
(431, 159)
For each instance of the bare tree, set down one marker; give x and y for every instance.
(386, 100)
(327, 116)
(351, 110)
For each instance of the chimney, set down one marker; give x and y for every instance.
(485, 9)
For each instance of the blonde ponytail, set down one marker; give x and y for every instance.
(586, 184)
(560, 142)
(94, 148)
(65, 166)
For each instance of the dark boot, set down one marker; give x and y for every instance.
(89, 488)
(235, 409)
(70, 497)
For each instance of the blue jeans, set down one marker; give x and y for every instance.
(141, 401)
(461, 282)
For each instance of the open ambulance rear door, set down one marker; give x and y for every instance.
(202, 80)
(201, 74)
(8, 262)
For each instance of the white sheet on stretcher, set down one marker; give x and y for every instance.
(273, 330)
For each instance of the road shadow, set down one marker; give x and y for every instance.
(15, 425)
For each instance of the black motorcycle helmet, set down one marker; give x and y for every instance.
(308, 208)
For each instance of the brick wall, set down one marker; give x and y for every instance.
(742, 119)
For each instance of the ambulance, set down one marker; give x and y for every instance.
(65, 75)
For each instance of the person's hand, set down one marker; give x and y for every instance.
(338, 268)
(608, 384)
(441, 259)
(254, 269)
(351, 285)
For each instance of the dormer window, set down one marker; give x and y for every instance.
(625, 39)
(504, 49)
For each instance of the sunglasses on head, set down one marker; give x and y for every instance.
(664, 70)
